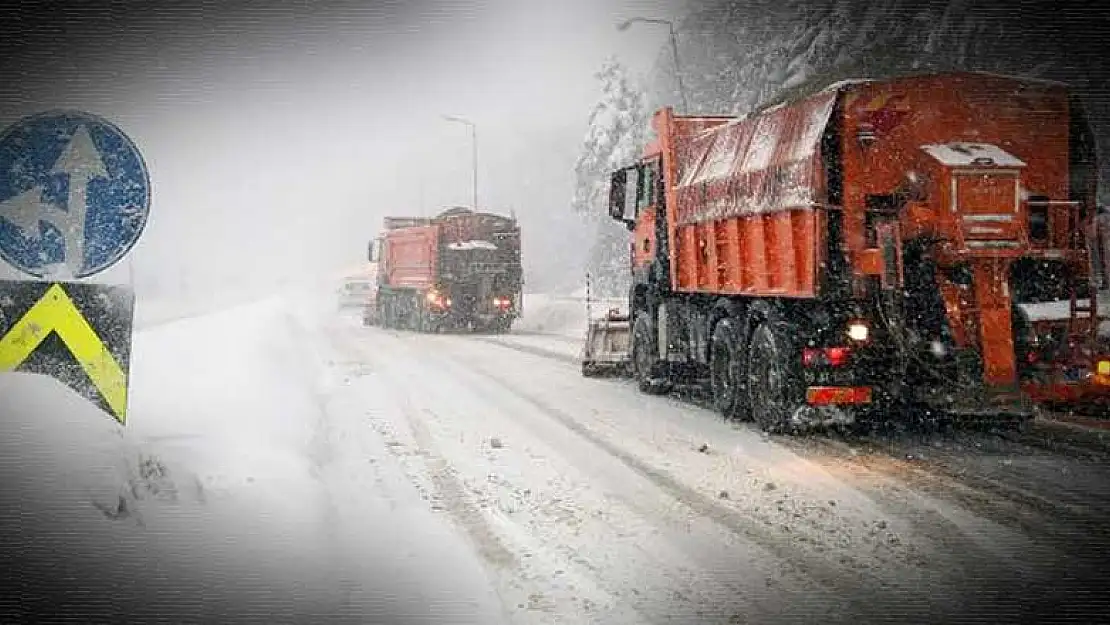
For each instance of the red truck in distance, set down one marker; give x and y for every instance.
(459, 270)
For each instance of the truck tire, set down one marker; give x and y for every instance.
(645, 359)
(774, 377)
(385, 311)
(502, 325)
(392, 318)
(726, 369)
(414, 312)
(424, 321)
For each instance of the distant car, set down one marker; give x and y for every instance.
(354, 293)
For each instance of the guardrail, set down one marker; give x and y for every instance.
(581, 299)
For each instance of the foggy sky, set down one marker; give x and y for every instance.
(277, 134)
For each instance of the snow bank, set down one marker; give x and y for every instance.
(204, 505)
(65, 459)
(216, 395)
(152, 311)
(84, 507)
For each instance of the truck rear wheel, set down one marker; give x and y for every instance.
(725, 369)
(774, 379)
(385, 310)
(645, 359)
(501, 325)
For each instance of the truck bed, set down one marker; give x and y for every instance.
(411, 257)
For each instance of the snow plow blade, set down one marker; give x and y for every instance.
(607, 349)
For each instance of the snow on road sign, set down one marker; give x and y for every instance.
(74, 195)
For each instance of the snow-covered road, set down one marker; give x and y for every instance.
(367, 475)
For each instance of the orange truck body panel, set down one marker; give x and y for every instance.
(745, 196)
(749, 194)
(410, 256)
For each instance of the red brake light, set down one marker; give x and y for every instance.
(826, 356)
(838, 355)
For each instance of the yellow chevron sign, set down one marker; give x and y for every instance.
(77, 333)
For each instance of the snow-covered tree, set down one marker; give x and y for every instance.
(739, 54)
(736, 55)
(614, 138)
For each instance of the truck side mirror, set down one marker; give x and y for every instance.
(616, 193)
(622, 204)
(371, 252)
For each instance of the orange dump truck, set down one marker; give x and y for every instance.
(861, 246)
(458, 270)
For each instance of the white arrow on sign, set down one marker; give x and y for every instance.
(81, 161)
(25, 210)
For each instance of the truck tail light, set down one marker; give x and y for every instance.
(826, 356)
(502, 302)
(437, 300)
(838, 395)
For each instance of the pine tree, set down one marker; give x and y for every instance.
(615, 135)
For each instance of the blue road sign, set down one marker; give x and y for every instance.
(74, 195)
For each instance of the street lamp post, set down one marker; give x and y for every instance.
(474, 146)
(674, 50)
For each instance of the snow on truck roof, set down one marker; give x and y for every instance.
(821, 84)
(766, 146)
(472, 245)
(961, 154)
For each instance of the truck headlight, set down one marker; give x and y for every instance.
(858, 331)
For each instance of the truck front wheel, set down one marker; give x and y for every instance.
(385, 310)
(774, 380)
(725, 367)
(645, 356)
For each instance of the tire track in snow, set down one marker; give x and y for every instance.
(991, 570)
(692, 588)
(1006, 502)
(666, 542)
(1049, 521)
(962, 534)
(781, 546)
(528, 349)
(1057, 575)
(452, 492)
(445, 484)
(698, 572)
(321, 454)
(507, 559)
(857, 584)
(345, 466)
